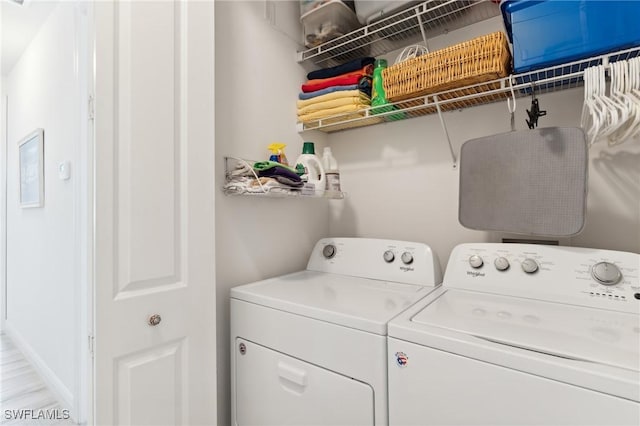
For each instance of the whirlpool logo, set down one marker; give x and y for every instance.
(475, 274)
(401, 359)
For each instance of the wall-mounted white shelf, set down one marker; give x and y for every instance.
(241, 179)
(556, 78)
(412, 25)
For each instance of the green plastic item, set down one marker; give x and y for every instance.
(266, 165)
(377, 94)
(308, 148)
(378, 98)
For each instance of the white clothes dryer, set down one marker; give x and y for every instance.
(310, 348)
(521, 334)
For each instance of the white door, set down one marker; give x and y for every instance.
(154, 223)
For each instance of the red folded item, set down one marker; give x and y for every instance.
(313, 85)
(322, 83)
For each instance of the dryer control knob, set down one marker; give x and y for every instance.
(407, 258)
(529, 265)
(329, 251)
(606, 273)
(388, 256)
(475, 261)
(501, 263)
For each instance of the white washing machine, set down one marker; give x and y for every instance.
(310, 348)
(521, 334)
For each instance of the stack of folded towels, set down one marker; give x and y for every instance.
(262, 177)
(337, 90)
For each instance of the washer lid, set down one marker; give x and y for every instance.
(567, 331)
(360, 303)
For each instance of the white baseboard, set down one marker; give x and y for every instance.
(55, 385)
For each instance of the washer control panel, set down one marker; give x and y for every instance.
(586, 277)
(390, 260)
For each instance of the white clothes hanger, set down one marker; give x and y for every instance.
(621, 83)
(616, 112)
(634, 79)
(591, 120)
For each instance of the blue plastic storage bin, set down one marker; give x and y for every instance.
(552, 32)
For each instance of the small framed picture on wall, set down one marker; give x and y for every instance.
(31, 155)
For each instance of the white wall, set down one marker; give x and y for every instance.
(41, 288)
(401, 182)
(257, 82)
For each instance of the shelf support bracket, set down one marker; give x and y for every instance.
(424, 34)
(446, 132)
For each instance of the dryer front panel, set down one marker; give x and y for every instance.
(275, 389)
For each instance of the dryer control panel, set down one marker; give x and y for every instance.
(388, 260)
(587, 277)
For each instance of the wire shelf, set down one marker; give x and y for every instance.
(551, 79)
(413, 25)
(240, 179)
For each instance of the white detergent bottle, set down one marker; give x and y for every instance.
(312, 171)
(331, 170)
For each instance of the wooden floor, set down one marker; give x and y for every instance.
(23, 393)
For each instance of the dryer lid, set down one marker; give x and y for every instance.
(359, 303)
(566, 331)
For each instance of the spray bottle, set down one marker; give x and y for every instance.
(277, 153)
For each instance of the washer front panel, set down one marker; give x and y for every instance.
(433, 387)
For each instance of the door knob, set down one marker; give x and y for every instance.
(154, 320)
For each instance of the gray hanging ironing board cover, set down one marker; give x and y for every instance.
(531, 182)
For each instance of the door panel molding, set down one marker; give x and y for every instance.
(148, 126)
(164, 370)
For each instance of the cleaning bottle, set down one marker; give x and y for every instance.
(331, 170)
(310, 169)
(378, 97)
(277, 153)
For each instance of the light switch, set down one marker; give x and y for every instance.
(64, 170)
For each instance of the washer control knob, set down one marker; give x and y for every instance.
(329, 251)
(407, 258)
(606, 273)
(476, 261)
(529, 265)
(501, 263)
(389, 256)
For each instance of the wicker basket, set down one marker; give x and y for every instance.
(475, 61)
